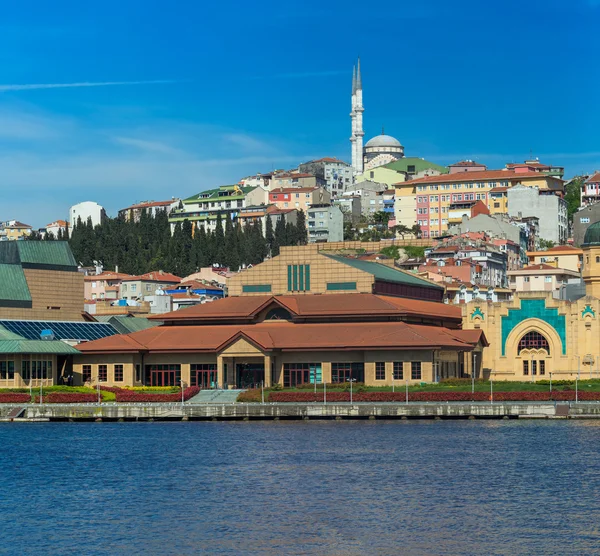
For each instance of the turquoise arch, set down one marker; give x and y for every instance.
(588, 311)
(534, 309)
(477, 312)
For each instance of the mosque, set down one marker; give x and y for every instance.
(378, 151)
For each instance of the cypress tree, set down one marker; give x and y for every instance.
(269, 234)
(301, 230)
(280, 236)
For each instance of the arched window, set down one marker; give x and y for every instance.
(534, 340)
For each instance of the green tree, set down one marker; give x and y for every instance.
(280, 236)
(402, 230)
(302, 232)
(269, 233)
(573, 195)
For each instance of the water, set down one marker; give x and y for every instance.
(343, 488)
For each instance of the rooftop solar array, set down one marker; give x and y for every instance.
(80, 331)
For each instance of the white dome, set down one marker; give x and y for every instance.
(383, 141)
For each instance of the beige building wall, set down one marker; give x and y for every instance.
(271, 277)
(569, 260)
(55, 295)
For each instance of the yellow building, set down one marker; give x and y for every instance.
(307, 270)
(535, 335)
(561, 256)
(14, 230)
(427, 201)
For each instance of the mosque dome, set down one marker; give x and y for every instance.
(383, 141)
(592, 235)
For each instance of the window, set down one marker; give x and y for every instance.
(138, 373)
(133, 288)
(525, 367)
(25, 370)
(203, 375)
(526, 279)
(163, 375)
(295, 374)
(93, 284)
(380, 370)
(548, 279)
(533, 340)
(598, 259)
(298, 277)
(102, 373)
(7, 370)
(542, 367)
(584, 220)
(496, 205)
(118, 373)
(415, 370)
(124, 287)
(148, 287)
(337, 286)
(534, 368)
(398, 370)
(256, 288)
(86, 371)
(341, 372)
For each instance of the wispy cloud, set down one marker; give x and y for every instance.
(148, 146)
(34, 86)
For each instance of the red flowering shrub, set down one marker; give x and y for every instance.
(9, 397)
(61, 397)
(130, 396)
(113, 389)
(306, 397)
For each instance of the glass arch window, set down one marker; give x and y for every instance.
(533, 340)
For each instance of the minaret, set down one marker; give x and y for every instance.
(353, 119)
(358, 132)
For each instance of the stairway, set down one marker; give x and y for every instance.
(215, 396)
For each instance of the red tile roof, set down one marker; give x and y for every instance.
(155, 276)
(477, 176)
(313, 306)
(280, 190)
(150, 204)
(595, 178)
(284, 336)
(469, 163)
(107, 276)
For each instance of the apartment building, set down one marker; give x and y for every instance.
(426, 201)
(338, 175)
(151, 208)
(325, 222)
(300, 198)
(590, 190)
(14, 230)
(137, 287)
(293, 180)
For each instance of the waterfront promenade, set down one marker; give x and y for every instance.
(298, 411)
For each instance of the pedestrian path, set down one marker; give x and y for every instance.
(215, 396)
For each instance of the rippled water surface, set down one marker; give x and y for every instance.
(449, 487)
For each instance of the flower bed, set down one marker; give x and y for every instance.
(14, 398)
(306, 397)
(130, 396)
(60, 397)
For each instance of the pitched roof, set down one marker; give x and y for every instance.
(18, 225)
(467, 163)
(245, 308)
(280, 190)
(594, 178)
(46, 253)
(478, 176)
(107, 275)
(421, 165)
(13, 285)
(384, 272)
(155, 276)
(282, 335)
(150, 204)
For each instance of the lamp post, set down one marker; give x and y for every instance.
(491, 390)
(181, 381)
(576, 389)
(324, 393)
(98, 391)
(473, 373)
(262, 391)
(407, 390)
(351, 380)
(578, 366)
(550, 382)
(393, 373)
(41, 384)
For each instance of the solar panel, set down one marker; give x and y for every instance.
(80, 331)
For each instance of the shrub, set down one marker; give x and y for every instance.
(61, 397)
(132, 396)
(14, 398)
(253, 396)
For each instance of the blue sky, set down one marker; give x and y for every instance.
(223, 90)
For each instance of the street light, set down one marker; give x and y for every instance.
(351, 380)
(407, 390)
(473, 373)
(181, 392)
(262, 391)
(551, 382)
(578, 366)
(491, 390)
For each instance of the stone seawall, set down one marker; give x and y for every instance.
(290, 411)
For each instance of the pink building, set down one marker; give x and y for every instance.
(467, 166)
(103, 286)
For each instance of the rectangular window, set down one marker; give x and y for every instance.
(548, 279)
(118, 373)
(342, 372)
(534, 367)
(163, 375)
(133, 287)
(398, 370)
(203, 375)
(25, 370)
(86, 371)
(415, 370)
(299, 277)
(124, 287)
(295, 374)
(148, 287)
(336, 286)
(525, 367)
(542, 367)
(256, 288)
(138, 373)
(7, 370)
(102, 373)
(380, 370)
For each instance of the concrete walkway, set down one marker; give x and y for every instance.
(215, 396)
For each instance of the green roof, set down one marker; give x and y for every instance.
(14, 291)
(37, 254)
(402, 164)
(213, 194)
(126, 325)
(385, 273)
(50, 347)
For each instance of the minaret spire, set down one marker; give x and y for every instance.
(358, 76)
(353, 79)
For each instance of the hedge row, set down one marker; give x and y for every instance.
(14, 398)
(300, 397)
(60, 397)
(130, 396)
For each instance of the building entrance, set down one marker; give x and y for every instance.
(163, 375)
(250, 375)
